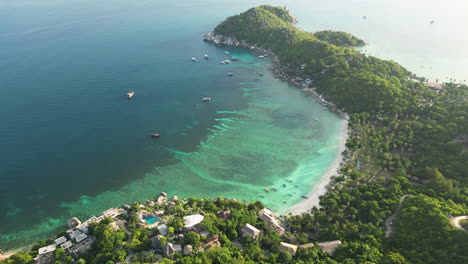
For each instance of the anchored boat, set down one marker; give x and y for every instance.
(130, 94)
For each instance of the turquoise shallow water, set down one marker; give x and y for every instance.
(72, 145)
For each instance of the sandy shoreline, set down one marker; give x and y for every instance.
(322, 186)
(13, 252)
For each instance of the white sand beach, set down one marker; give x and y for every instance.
(321, 187)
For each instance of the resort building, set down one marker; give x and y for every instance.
(249, 230)
(45, 250)
(60, 240)
(114, 226)
(94, 219)
(75, 233)
(187, 250)
(113, 212)
(329, 246)
(162, 229)
(81, 238)
(83, 246)
(213, 241)
(45, 255)
(156, 241)
(74, 223)
(288, 248)
(308, 245)
(223, 214)
(268, 216)
(168, 249)
(191, 221)
(68, 244)
(177, 248)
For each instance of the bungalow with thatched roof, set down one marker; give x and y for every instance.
(249, 230)
(288, 248)
(329, 246)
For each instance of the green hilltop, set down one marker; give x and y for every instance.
(407, 136)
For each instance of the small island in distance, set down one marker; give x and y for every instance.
(394, 201)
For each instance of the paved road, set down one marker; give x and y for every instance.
(389, 220)
(456, 221)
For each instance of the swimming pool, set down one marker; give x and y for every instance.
(151, 219)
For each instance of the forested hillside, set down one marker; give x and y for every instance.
(406, 138)
(406, 174)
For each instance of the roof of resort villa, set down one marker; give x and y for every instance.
(434, 85)
(268, 216)
(60, 240)
(308, 245)
(45, 250)
(192, 220)
(66, 245)
(75, 234)
(250, 230)
(286, 247)
(162, 229)
(329, 246)
(81, 238)
(113, 212)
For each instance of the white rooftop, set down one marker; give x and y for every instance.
(252, 228)
(112, 212)
(162, 229)
(75, 234)
(81, 238)
(66, 245)
(265, 211)
(60, 240)
(192, 220)
(45, 250)
(177, 248)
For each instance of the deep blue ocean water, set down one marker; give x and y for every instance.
(71, 144)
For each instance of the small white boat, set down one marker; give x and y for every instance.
(267, 190)
(194, 60)
(227, 53)
(227, 61)
(230, 74)
(206, 99)
(206, 56)
(261, 56)
(222, 62)
(130, 94)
